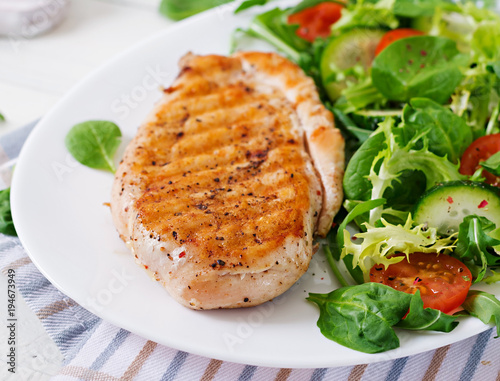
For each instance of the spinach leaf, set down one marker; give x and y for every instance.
(180, 9)
(361, 317)
(422, 66)
(357, 186)
(492, 164)
(94, 143)
(473, 243)
(6, 223)
(249, 4)
(427, 319)
(483, 306)
(447, 133)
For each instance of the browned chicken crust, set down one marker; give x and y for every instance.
(221, 191)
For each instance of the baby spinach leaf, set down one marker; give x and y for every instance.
(492, 164)
(484, 306)
(6, 223)
(361, 317)
(473, 243)
(422, 66)
(448, 134)
(356, 184)
(426, 319)
(94, 143)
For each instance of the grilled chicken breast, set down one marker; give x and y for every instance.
(224, 186)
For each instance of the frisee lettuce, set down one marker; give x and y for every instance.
(394, 159)
(379, 243)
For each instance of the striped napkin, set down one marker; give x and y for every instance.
(96, 350)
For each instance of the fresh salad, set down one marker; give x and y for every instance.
(414, 85)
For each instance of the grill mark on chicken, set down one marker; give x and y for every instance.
(219, 182)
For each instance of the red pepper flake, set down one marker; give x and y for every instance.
(423, 53)
(450, 200)
(318, 193)
(482, 204)
(333, 223)
(182, 255)
(354, 238)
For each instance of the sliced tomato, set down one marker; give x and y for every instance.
(316, 21)
(443, 281)
(394, 35)
(480, 150)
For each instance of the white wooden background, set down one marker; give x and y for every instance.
(34, 75)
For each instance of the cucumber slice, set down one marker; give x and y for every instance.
(356, 46)
(445, 206)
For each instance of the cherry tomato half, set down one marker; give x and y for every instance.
(394, 35)
(480, 150)
(316, 21)
(443, 281)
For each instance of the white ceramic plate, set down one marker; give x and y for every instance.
(59, 214)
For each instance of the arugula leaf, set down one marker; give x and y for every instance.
(421, 66)
(448, 134)
(379, 243)
(473, 243)
(484, 306)
(94, 143)
(492, 164)
(2, 118)
(361, 317)
(249, 4)
(272, 26)
(180, 9)
(427, 319)
(346, 124)
(6, 223)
